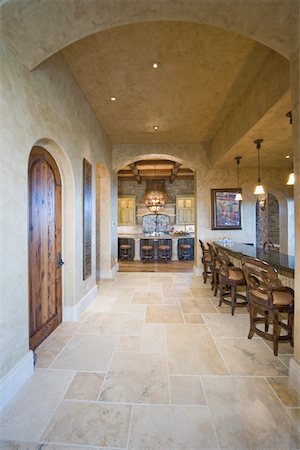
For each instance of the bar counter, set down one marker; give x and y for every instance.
(285, 264)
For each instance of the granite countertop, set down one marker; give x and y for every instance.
(156, 236)
(274, 258)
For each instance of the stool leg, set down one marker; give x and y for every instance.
(290, 327)
(252, 317)
(216, 284)
(266, 321)
(276, 332)
(233, 298)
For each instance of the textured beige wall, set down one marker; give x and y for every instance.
(43, 104)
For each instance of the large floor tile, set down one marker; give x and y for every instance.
(171, 428)
(147, 298)
(285, 391)
(295, 414)
(222, 325)
(202, 292)
(197, 305)
(128, 344)
(164, 314)
(48, 350)
(85, 423)
(193, 318)
(180, 291)
(191, 351)
(28, 413)
(154, 338)
(247, 415)
(137, 378)
(85, 386)
(86, 353)
(250, 357)
(187, 390)
(114, 323)
(18, 445)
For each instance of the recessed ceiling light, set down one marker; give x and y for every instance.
(113, 99)
(155, 127)
(155, 65)
(287, 156)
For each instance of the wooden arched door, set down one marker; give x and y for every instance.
(45, 281)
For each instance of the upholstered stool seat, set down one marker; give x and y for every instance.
(147, 252)
(124, 251)
(185, 250)
(164, 252)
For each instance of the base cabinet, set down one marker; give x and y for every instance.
(184, 253)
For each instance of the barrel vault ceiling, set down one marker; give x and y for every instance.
(202, 73)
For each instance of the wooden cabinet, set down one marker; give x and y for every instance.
(185, 209)
(126, 210)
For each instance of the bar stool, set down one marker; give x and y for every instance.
(185, 251)
(230, 277)
(147, 253)
(164, 252)
(267, 296)
(215, 266)
(206, 261)
(124, 250)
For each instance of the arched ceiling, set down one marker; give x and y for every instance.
(36, 29)
(202, 72)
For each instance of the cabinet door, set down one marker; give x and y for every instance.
(180, 216)
(189, 215)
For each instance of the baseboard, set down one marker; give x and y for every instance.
(294, 374)
(197, 271)
(109, 274)
(16, 378)
(72, 313)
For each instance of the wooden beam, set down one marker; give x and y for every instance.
(135, 172)
(174, 172)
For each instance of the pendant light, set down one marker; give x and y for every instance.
(238, 196)
(259, 189)
(154, 198)
(291, 180)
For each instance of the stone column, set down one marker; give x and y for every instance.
(174, 249)
(294, 374)
(137, 256)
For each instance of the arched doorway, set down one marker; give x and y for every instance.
(267, 221)
(45, 246)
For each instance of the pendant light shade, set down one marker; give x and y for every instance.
(291, 180)
(238, 196)
(259, 189)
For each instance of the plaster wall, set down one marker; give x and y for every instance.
(45, 105)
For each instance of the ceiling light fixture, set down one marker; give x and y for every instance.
(238, 196)
(287, 156)
(155, 65)
(291, 180)
(259, 189)
(113, 99)
(154, 198)
(155, 127)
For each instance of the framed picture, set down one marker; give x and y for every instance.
(225, 210)
(87, 219)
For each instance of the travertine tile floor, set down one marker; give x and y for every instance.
(154, 364)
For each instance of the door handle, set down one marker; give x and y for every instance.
(59, 261)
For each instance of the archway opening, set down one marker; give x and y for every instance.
(156, 214)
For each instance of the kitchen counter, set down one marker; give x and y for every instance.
(285, 264)
(137, 238)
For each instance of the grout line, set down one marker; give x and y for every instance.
(210, 414)
(219, 351)
(57, 405)
(129, 427)
(168, 367)
(107, 370)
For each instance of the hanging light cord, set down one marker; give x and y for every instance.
(258, 142)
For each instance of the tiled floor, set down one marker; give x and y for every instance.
(154, 364)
